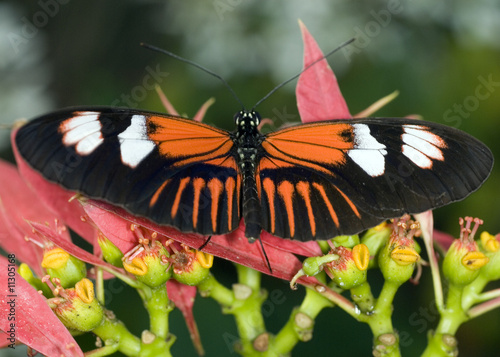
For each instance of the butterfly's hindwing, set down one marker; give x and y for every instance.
(302, 204)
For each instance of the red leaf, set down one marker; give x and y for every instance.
(19, 203)
(55, 197)
(115, 228)
(318, 93)
(308, 249)
(233, 246)
(68, 246)
(183, 298)
(35, 323)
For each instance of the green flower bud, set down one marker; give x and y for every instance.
(398, 257)
(190, 266)
(110, 252)
(346, 241)
(349, 270)
(375, 239)
(314, 265)
(489, 243)
(311, 267)
(27, 274)
(149, 264)
(491, 248)
(463, 260)
(77, 307)
(60, 264)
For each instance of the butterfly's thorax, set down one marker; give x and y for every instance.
(248, 141)
(247, 138)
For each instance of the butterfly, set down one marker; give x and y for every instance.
(305, 182)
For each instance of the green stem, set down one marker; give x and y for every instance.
(114, 331)
(453, 315)
(300, 324)
(99, 283)
(159, 307)
(363, 297)
(380, 322)
(211, 287)
(248, 277)
(338, 300)
(441, 345)
(472, 295)
(127, 280)
(484, 307)
(489, 295)
(472, 292)
(116, 337)
(443, 342)
(244, 302)
(103, 351)
(386, 340)
(247, 307)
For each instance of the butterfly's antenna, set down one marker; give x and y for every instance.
(298, 74)
(206, 70)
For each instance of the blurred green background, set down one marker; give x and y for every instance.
(443, 57)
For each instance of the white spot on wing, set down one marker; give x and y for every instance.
(368, 153)
(135, 144)
(417, 157)
(89, 144)
(84, 131)
(421, 146)
(423, 133)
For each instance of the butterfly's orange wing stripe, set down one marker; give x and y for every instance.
(230, 188)
(238, 190)
(349, 202)
(300, 145)
(198, 185)
(304, 189)
(328, 204)
(266, 163)
(270, 188)
(215, 186)
(286, 190)
(187, 141)
(177, 200)
(157, 193)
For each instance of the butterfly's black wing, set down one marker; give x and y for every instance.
(171, 170)
(328, 178)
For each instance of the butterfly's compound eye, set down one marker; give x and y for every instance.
(256, 117)
(238, 117)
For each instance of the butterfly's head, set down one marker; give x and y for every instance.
(247, 119)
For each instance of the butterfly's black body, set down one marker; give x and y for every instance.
(248, 140)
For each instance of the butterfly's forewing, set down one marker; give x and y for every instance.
(171, 170)
(339, 177)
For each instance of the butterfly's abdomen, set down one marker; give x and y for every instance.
(248, 142)
(252, 212)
